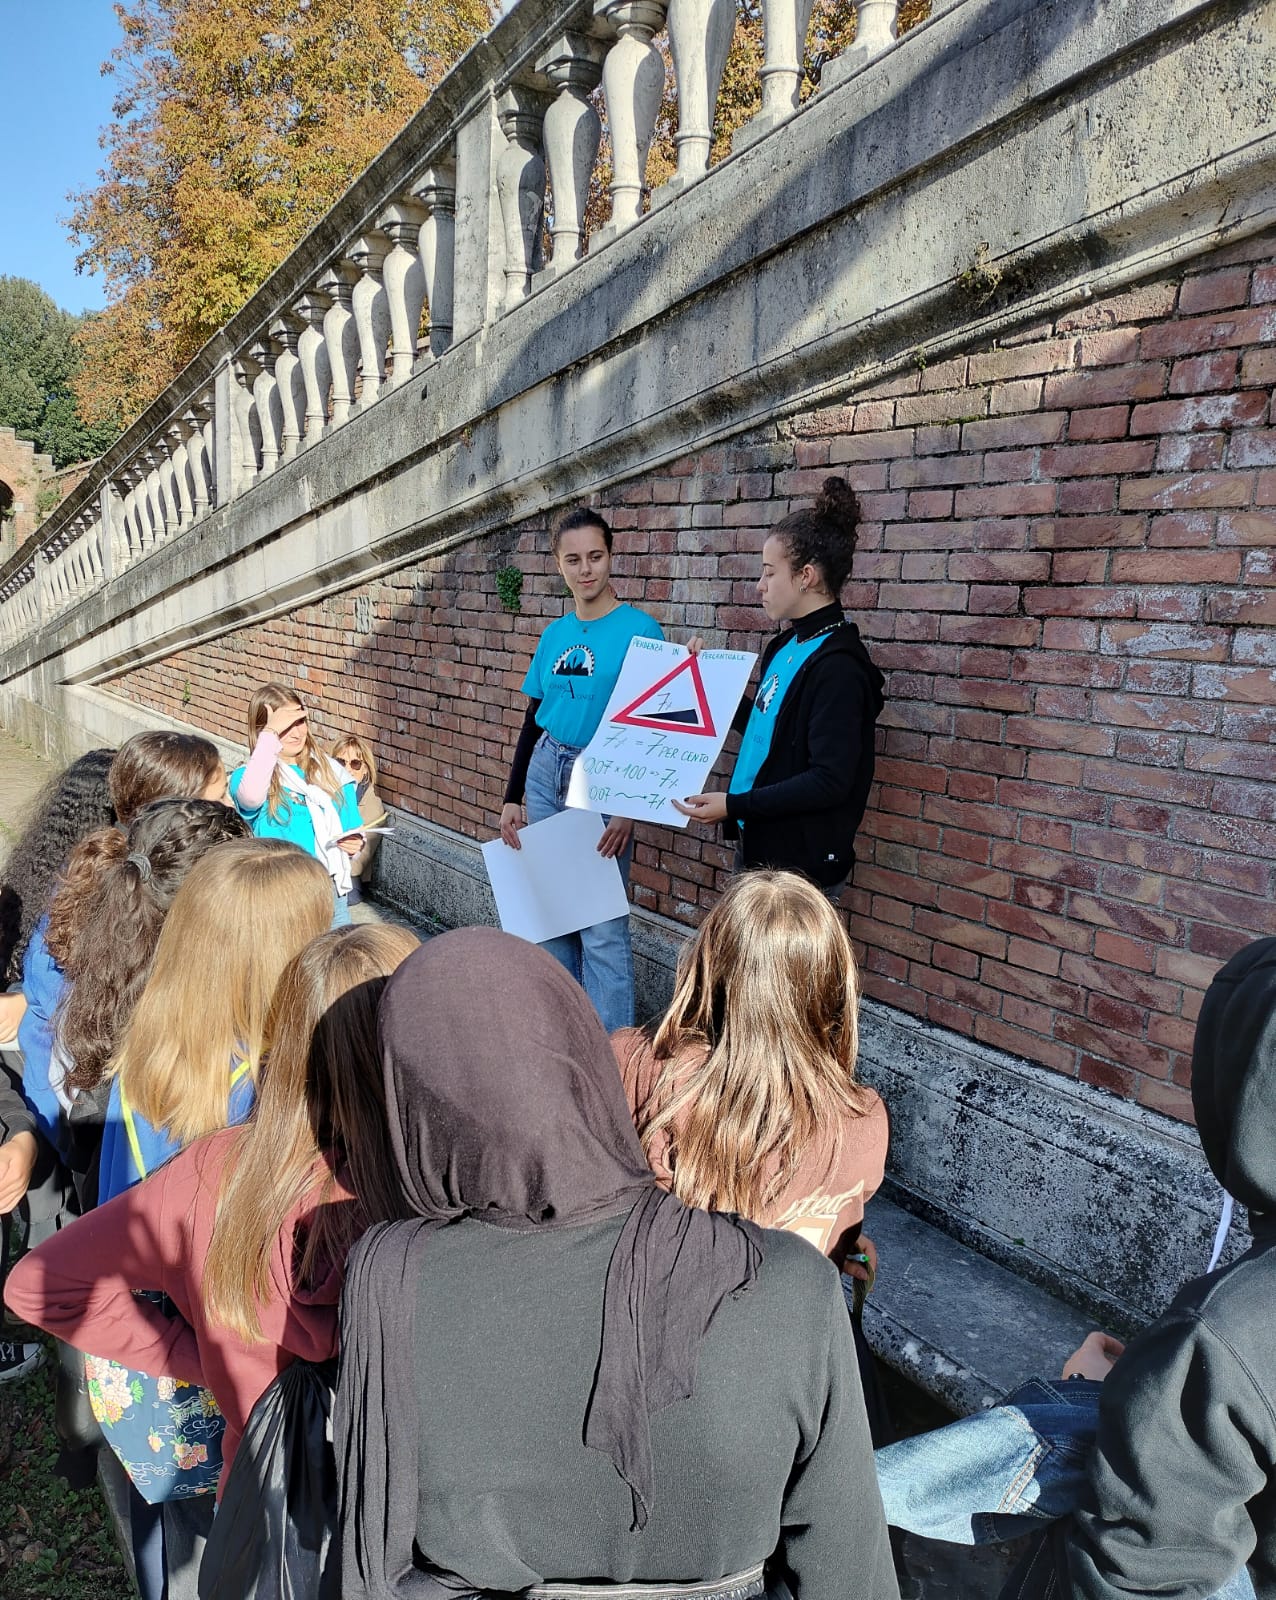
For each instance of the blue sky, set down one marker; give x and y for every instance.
(52, 105)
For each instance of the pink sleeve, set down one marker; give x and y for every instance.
(251, 794)
(79, 1285)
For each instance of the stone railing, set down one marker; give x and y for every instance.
(442, 235)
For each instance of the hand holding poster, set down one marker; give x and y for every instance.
(662, 731)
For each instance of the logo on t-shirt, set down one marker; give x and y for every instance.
(577, 662)
(767, 693)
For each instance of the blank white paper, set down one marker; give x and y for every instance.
(557, 883)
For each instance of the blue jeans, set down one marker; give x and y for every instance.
(1002, 1473)
(340, 910)
(599, 958)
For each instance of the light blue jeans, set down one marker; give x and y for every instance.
(599, 958)
(1002, 1473)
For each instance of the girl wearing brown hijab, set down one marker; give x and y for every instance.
(558, 1373)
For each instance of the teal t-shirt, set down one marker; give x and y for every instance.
(293, 822)
(756, 744)
(576, 666)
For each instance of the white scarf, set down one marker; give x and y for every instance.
(323, 818)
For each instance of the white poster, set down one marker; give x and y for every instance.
(663, 728)
(556, 882)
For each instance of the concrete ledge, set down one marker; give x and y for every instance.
(954, 1323)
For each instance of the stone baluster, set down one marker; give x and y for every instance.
(290, 383)
(193, 423)
(699, 38)
(93, 548)
(520, 183)
(154, 496)
(316, 369)
(633, 84)
(182, 484)
(130, 518)
(574, 65)
(403, 280)
(168, 488)
(875, 33)
(784, 27)
(247, 430)
(435, 192)
(112, 531)
(341, 335)
(371, 313)
(267, 405)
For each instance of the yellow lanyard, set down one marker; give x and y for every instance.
(238, 1068)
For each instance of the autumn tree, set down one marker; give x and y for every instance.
(38, 360)
(237, 125)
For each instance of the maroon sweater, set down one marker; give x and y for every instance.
(79, 1286)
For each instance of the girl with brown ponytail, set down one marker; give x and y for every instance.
(805, 763)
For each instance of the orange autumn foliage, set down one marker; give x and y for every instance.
(237, 125)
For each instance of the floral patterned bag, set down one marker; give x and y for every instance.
(167, 1434)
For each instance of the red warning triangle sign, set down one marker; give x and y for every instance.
(684, 709)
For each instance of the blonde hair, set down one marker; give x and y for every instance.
(242, 913)
(363, 749)
(316, 767)
(321, 1096)
(767, 994)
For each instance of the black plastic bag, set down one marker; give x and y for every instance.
(274, 1535)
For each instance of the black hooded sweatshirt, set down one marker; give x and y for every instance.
(1182, 1483)
(811, 791)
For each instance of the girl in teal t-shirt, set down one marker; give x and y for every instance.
(290, 789)
(568, 685)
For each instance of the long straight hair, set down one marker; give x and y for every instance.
(767, 996)
(110, 936)
(316, 767)
(322, 1107)
(241, 915)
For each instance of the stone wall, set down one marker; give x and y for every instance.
(1066, 568)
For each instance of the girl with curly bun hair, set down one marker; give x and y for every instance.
(805, 763)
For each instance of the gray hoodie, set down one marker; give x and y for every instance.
(1182, 1484)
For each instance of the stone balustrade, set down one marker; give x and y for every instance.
(457, 212)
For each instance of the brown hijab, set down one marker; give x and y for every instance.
(505, 1103)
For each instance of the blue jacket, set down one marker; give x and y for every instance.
(43, 984)
(131, 1147)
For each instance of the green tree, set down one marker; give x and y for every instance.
(39, 358)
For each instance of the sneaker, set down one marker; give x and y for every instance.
(16, 1360)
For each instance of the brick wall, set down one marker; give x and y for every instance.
(1067, 570)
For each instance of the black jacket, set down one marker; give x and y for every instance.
(1182, 1483)
(810, 793)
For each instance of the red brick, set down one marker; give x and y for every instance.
(1013, 433)
(1039, 926)
(1254, 447)
(1041, 958)
(1192, 489)
(985, 567)
(1008, 631)
(1215, 566)
(1024, 394)
(1083, 602)
(1198, 374)
(1258, 367)
(1241, 606)
(1041, 733)
(1001, 1036)
(1257, 916)
(1097, 460)
(1247, 527)
(1155, 713)
(1102, 422)
(1235, 759)
(1228, 331)
(1106, 385)
(1148, 302)
(1177, 641)
(1008, 500)
(882, 446)
(1214, 291)
(1135, 954)
(1200, 413)
(1085, 533)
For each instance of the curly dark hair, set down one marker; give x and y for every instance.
(116, 925)
(68, 807)
(823, 536)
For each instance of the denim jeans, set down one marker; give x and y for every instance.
(599, 958)
(1002, 1473)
